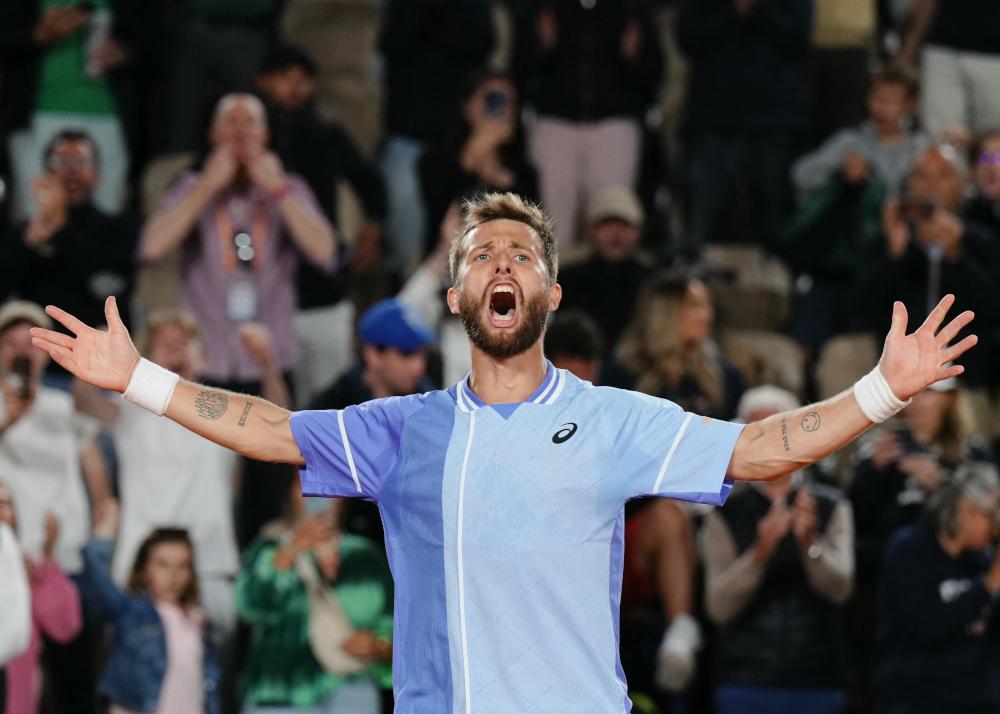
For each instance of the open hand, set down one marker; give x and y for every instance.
(910, 363)
(103, 359)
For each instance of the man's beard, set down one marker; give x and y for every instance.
(505, 343)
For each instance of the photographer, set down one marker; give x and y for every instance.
(71, 251)
(929, 251)
(935, 603)
(245, 226)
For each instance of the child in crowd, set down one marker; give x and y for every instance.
(55, 612)
(881, 148)
(160, 660)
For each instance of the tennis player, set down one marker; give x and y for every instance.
(502, 497)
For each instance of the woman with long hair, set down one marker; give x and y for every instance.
(667, 350)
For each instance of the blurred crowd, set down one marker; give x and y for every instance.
(741, 189)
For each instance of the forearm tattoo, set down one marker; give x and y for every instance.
(211, 404)
(810, 422)
(246, 410)
(784, 434)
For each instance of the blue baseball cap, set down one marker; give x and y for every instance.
(390, 323)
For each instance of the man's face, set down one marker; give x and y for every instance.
(888, 105)
(290, 88)
(15, 342)
(241, 124)
(615, 240)
(74, 165)
(175, 349)
(934, 177)
(398, 372)
(503, 292)
(988, 169)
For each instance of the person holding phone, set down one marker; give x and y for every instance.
(484, 151)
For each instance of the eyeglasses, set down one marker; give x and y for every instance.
(989, 158)
(244, 247)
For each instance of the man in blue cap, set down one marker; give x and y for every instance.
(393, 344)
(393, 361)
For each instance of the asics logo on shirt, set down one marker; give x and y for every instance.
(564, 433)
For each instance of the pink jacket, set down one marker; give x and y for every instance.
(55, 611)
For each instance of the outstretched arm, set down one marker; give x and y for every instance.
(248, 425)
(789, 441)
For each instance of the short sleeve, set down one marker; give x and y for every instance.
(665, 451)
(350, 452)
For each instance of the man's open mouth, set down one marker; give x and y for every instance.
(503, 305)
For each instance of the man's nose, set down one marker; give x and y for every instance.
(502, 265)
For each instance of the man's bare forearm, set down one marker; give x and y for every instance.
(789, 441)
(311, 232)
(250, 426)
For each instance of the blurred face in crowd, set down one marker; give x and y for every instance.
(614, 239)
(74, 164)
(15, 341)
(290, 88)
(988, 168)
(494, 99)
(926, 413)
(977, 524)
(7, 507)
(888, 105)
(394, 372)
(696, 315)
(173, 346)
(169, 571)
(240, 122)
(936, 177)
(503, 290)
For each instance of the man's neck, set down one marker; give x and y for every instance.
(510, 380)
(378, 390)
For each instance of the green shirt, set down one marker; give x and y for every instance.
(64, 86)
(280, 668)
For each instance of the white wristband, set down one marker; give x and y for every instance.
(151, 387)
(875, 397)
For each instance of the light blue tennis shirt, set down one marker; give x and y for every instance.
(503, 528)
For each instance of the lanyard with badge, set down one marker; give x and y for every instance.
(242, 254)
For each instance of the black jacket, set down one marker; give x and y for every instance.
(323, 154)
(908, 277)
(92, 257)
(585, 76)
(934, 649)
(747, 74)
(788, 635)
(431, 47)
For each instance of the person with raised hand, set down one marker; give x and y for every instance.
(503, 496)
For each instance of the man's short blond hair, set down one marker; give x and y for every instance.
(505, 206)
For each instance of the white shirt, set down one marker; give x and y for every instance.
(169, 476)
(15, 599)
(40, 461)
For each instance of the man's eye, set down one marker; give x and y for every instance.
(482, 256)
(522, 258)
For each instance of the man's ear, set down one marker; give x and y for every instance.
(555, 297)
(453, 300)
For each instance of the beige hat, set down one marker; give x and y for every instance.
(615, 202)
(23, 311)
